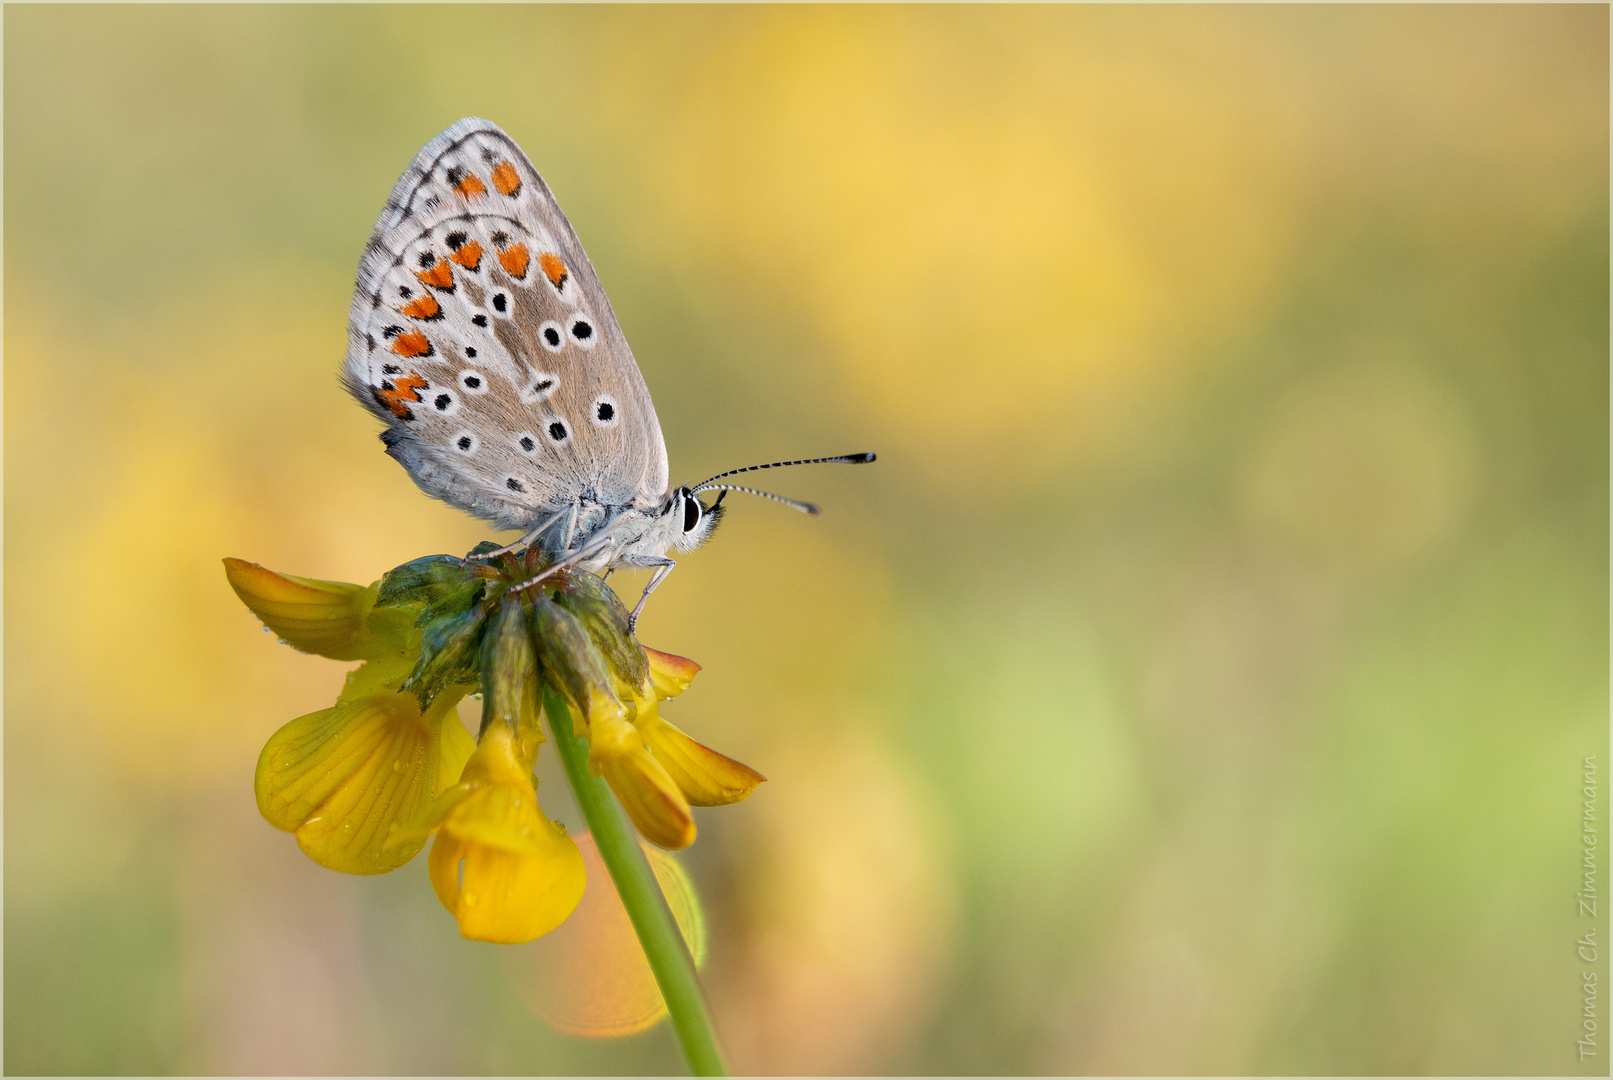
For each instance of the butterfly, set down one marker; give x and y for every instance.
(480, 335)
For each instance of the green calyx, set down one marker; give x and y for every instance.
(511, 685)
(478, 629)
(601, 613)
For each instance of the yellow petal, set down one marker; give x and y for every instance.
(502, 896)
(428, 818)
(502, 816)
(652, 799)
(376, 676)
(442, 866)
(497, 759)
(343, 779)
(457, 747)
(323, 617)
(706, 777)
(481, 770)
(670, 674)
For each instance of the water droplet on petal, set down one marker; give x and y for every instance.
(400, 767)
(266, 630)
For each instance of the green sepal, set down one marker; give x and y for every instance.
(511, 683)
(570, 660)
(443, 584)
(450, 654)
(483, 548)
(605, 618)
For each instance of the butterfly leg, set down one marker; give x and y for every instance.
(571, 525)
(586, 551)
(663, 567)
(525, 541)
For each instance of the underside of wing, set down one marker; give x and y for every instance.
(479, 333)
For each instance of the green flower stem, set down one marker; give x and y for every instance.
(652, 919)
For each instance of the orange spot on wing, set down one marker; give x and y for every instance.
(413, 343)
(506, 179)
(424, 307)
(470, 187)
(514, 259)
(469, 255)
(396, 395)
(553, 268)
(439, 274)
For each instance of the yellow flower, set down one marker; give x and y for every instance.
(329, 618)
(506, 872)
(705, 777)
(652, 799)
(656, 771)
(364, 783)
(343, 778)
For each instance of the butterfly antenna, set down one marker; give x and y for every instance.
(848, 459)
(804, 507)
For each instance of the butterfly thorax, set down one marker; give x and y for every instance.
(627, 536)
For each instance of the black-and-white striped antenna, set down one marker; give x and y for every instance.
(804, 507)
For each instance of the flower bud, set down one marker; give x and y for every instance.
(572, 664)
(441, 584)
(599, 611)
(450, 654)
(511, 686)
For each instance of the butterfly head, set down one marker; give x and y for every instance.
(695, 520)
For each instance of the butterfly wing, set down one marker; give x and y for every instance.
(479, 333)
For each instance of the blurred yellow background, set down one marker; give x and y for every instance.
(1199, 682)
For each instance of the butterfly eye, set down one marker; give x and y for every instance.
(551, 335)
(691, 513)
